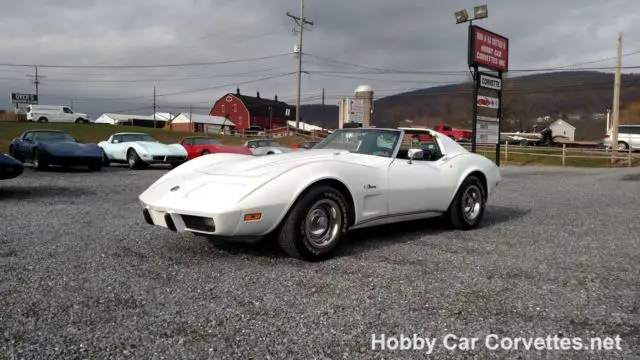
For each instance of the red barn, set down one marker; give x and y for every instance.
(253, 113)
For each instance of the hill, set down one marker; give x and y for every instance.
(581, 97)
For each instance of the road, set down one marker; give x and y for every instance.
(82, 276)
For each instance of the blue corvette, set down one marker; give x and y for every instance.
(9, 167)
(54, 147)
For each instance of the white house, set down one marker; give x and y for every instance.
(128, 119)
(564, 129)
(202, 123)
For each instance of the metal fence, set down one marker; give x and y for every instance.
(563, 156)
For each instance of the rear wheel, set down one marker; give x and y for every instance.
(316, 225)
(205, 152)
(623, 146)
(105, 159)
(43, 120)
(467, 209)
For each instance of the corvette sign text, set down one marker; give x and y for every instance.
(493, 342)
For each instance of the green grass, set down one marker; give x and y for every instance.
(94, 133)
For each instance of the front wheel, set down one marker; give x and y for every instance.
(316, 225)
(39, 163)
(467, 209)
(133, 160)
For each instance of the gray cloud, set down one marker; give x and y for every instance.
(399, 34)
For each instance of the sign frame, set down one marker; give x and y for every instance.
(489, 45)
(486, 82)
(20, 98)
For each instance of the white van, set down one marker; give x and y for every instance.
(55, 113)
(628, 137)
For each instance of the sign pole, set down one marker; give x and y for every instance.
(474, 112)
(499, 116)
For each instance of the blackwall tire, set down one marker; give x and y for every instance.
(316, 225)
(467, 208)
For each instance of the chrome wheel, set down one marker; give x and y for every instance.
(472, 203)
(132, 158)
(322, 223)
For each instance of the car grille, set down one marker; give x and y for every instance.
(170, 158)
(199, 223)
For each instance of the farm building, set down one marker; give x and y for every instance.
(563, 129)
(202, 123)
(253, 113)
(125, 119)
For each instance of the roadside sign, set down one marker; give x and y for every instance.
(17, 98)
(487, 130)
(490, 82)
(488, 102)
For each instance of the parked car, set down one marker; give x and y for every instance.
(355, 178)
(54, 147)
(55, 113)
(460, 135)
(628, 137)
(139, 150)
(305, 145)
(266, 147)
(203, 145)
(10, 167)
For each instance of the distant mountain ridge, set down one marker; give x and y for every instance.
(567, 95)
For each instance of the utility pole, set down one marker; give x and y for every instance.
(154, 107)
(300, 22)
(322, 111)
(36, 81)
(616, 100)
(190, 118)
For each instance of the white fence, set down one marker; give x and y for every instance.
(564, 155)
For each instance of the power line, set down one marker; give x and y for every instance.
(149, 66)
(193, 90)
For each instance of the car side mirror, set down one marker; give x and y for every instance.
(415, 154)
(252, 146)
(114, 141)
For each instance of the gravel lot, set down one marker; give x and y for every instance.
(82, 276)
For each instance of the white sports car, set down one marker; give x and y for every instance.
(355, 178)
(266, 147)
(140, 150)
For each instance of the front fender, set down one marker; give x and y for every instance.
(282, 191)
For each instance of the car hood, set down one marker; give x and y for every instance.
(156, 147)
(258, 166)
(66, 146)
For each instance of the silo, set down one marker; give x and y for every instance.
(363, 105)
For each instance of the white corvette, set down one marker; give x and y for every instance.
(355, 178)
(140, 150)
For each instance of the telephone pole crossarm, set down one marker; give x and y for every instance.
(300, 23)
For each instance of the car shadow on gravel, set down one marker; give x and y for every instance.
(18, 192)
(388, 235)
(368, 239)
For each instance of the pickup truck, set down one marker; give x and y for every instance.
(459, 135)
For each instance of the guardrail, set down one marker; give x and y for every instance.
(564, 156)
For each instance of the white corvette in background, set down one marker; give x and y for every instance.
(139, 150)
(355, 178)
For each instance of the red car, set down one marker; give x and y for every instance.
(305, 145)
(203, 145)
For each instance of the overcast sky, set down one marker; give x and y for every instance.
(347, 37)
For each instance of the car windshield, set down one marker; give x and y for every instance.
(377, 142)
(265, 143)
(137, 137)
(205, 141)
(52, 136)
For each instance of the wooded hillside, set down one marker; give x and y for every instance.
(576, 96)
